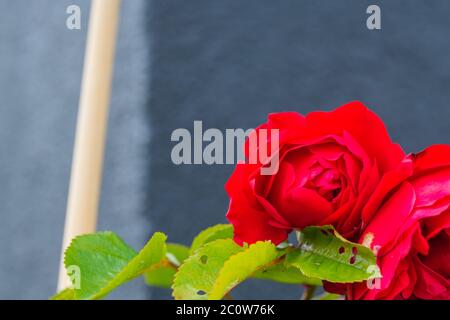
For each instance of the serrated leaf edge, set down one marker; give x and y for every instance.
(255, 246)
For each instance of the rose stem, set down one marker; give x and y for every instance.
(308, 292)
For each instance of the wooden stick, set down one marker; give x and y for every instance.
(87, 163)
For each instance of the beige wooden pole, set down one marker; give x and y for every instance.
(87, 163)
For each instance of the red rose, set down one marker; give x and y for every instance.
(409, 219)
(329, 165)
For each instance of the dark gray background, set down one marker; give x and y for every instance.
(227, 63)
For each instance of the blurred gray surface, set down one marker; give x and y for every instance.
(227, 63)
(40, 74)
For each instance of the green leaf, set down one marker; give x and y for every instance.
(219, 231)
(326, 255)
(218, 266)
(162, 274)
(242, 265)
(177, 253)
(285, 274)
(197, 275)
(66, 294)
(105, 261)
